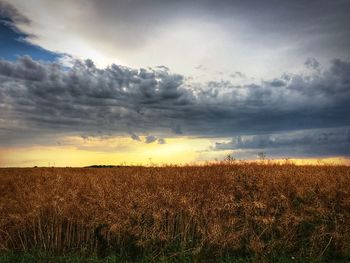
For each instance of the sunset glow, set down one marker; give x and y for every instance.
(154, 82)
(78, 152)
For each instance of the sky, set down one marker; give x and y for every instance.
(151, 82)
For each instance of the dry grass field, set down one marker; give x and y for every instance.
(201, 213)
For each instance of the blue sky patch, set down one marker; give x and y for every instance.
(13, 45)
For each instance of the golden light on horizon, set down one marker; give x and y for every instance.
(75, 151)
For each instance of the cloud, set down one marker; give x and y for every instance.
(238, 74)
(41, 100)
(186, 33)
(135, 137)
(177, 129)
(276, 83)
(11, 14)
(201, 67)
(84, 98)
(321, 142)
(150, 139)
(161, 141)
(312, 63)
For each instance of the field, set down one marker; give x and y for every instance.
(216, 212)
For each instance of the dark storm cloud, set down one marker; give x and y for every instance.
(11, 14)
(53, 99)
(177, 129)
(40, 99)
(276, 83)
(312, 63)
(150, 139)
(323, 142)
(134, 137)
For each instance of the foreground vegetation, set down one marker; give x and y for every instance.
(35, 257)
(220, 212)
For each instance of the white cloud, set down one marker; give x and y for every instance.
(229, 37)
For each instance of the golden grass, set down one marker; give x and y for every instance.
(210, 210)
